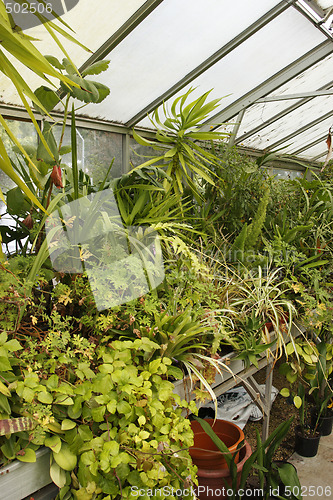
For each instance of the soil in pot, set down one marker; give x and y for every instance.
(204, 453)
(306, 444)
(212, 484)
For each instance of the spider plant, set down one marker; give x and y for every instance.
(262, 296)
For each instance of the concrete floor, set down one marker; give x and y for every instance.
(317, 471)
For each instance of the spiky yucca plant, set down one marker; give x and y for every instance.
(178, 139)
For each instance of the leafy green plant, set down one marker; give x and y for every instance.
(22, 48)
(263, 297)
(107, 413)
(248, 340)
(178, 137)
(261, 460)
(309, 369)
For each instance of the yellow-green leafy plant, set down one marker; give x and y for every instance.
(107, 412)
(22, 49)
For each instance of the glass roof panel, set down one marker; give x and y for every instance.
(312, 79)
(92, 26)
(170, 43)
(307, 137)
(290, 123)
(316, 150)
(268, 51)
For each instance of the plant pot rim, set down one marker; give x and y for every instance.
(316, 435)
(231, 425)
(217, 473)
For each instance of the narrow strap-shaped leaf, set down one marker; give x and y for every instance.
(75, 170)
(222, 447)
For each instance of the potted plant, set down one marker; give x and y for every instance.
(204, 453)
(276, 479)
(273, 478)
(218, 477)
(321, 388)
(306, 437)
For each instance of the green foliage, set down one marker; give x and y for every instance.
(178, 138)
(254, 229)
(308, 370)
(235, 197)
(108, 413)
(249, 340)
(260, 461)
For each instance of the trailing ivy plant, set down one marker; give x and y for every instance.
(107, 412)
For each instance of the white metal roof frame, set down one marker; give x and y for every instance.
(255, 108)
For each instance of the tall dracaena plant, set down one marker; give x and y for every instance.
(20, 46)
(178, 139)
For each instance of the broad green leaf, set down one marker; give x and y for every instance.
(16, 202)
(67, 424)
(58, 475)
(175, 372)
(27, 455)
(4, 390)
(103, 91)
(65, 458)
(289, 477)
(298, 401)
(64, 150)
(285, 392)
(96, 68)
(42, 153)
(84, 90)
(45, 397)
(53, 442)
(54, 61)
(13, 345)
(4, 364)
(4, 405)
(52, 382)
(47, 97)
(290, 348)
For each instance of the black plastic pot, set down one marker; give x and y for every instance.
(325, 424)
(306, 445)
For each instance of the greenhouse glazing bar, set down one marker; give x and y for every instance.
(213, 59)
(313, 143)
(300, 130)
(301, 95)
(291, 71)
(235, 130)
(279, 115)
(122, 32)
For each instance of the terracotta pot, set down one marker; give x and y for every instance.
(204, 453)
(212, 482)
